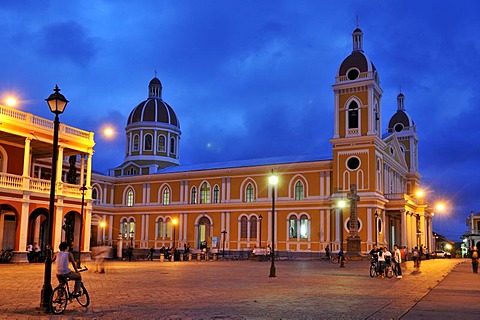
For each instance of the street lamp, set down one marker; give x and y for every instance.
(174, 222)
(103, 225)
(224, 233)
(82, 189)
(273, 180)
(376, 227)
(341, 204)
(260, 218)
(57, 103)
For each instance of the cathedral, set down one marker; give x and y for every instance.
(363, 194)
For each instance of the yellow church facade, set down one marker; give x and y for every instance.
(152, 201)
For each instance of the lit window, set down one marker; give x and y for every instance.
(292, 227)
(299, 190)
(249, 193)
(166, 196)
(160, 226)
(129, 198)
(205, 193)
(303, 227)
(161, 144)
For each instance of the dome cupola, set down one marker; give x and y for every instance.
(400, 121)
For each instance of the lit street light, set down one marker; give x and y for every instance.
(341, 204)
(57, 103)
(273, 180)
(174, 222)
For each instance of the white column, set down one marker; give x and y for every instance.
(370, 225)
(26, 167)
(403, 223)
(322, 226)
(82, 169)
(89, 172)
(58, 222)
(24, 224)
(59, 164)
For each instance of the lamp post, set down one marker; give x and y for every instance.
(79, 263)
(341, 204)
(174, 222)
(273, 180)
(103, 225)
(260, 218)
(57, 103)
(376, 227)
(224, 233)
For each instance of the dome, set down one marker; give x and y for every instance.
(154, 109)
(357, 62)
(400, 120)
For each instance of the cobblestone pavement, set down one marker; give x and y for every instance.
(239, 290)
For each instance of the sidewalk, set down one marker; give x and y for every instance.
(455, 297)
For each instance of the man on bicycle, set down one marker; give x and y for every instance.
(62, 258)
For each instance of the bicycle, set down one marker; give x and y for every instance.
(62, 295)
(374, 272)
(6, 255)
(336, 259)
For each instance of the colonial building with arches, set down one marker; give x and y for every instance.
(150, 200)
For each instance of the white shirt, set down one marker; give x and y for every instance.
(398, 256)
(62, 262)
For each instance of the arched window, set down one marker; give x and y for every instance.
(243, 227)
(303, 226)
(216, 194)
(253, 227)
(166, 197)
(147, 146)
(205, 193)
(172, 145)
(299, 190)
(193, 197)
(249, 193)
(135, 142)
(130, 198)
(292, 227)
(353, 115)
(129, 144)
(160, 228)
(94, 194)
(161, 144)
(127, 227)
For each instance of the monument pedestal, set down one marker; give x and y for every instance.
(353, 246)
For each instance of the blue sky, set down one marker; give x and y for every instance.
(252, 79)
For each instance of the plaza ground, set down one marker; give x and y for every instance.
(303, 289)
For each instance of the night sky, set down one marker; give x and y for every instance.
(252, 79)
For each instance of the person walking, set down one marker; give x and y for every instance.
(397, 259)
(416, 259)
(474, 256)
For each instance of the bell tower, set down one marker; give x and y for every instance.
(357, 125)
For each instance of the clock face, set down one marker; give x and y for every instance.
(353, 163)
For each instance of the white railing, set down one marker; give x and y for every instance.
(12, 181)
(38, 122)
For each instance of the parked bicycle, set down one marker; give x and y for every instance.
(336, 259)
(6, 255)
(388, 271)
(62, 295)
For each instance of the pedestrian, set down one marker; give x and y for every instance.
(30, 252)
(129, 253)
(99, 254)
(327, 252)
(416, 258)
(397, 259)
(36, 252)
(405, 253)
(150, 254)
(474, 256)
(381, 262)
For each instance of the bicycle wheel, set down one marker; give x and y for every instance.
(83, 299)
(58, 300)
(334, 260)
(345, 260)
(373, 271)
(389, 272)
